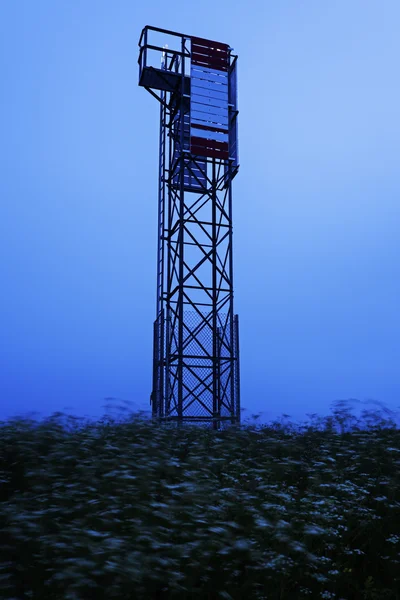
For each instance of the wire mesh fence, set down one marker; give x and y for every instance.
(197, 379)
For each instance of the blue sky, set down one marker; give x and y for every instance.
(316, 202)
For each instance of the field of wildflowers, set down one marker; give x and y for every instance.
(132, 510)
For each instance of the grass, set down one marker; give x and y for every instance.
(132, 510)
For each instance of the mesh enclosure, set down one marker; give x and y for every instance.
(208, 366)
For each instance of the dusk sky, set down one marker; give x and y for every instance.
(316, 201)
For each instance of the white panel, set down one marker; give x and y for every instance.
(220, 86)
(210, 92)
(210, 135)
(210, 122)
(211, 74)
(209, 103)
(204, 118)
(199, 107)
(203, 85)
(217, 103)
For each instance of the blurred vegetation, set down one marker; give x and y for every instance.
(134, 510)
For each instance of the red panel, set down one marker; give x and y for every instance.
(209, 43)
(210, 61)
(220, 57)
(212, 148)
(211, 52)
(198, 141)
(209, 153)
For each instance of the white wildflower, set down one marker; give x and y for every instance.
(393, 539)
(281, 524)
(242, 544)
(217, 530)
(261, 522)
(94, 533)
(313, 530)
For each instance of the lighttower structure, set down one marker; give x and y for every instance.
(196, 333)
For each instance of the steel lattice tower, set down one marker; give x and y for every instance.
(196, 342)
